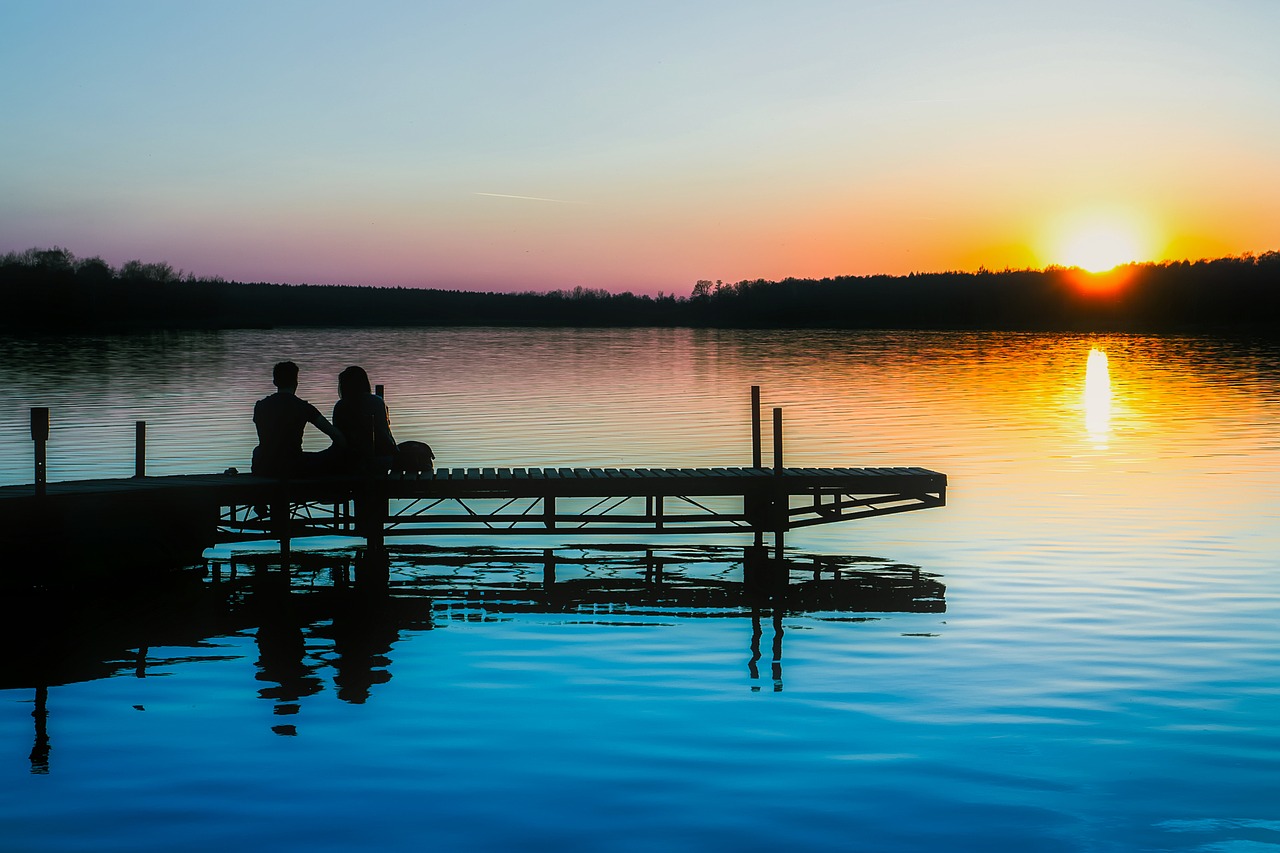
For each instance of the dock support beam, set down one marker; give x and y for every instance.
(279, 509)
(371, 507)
(376, 537)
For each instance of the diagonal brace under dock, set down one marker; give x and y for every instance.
(493, 501)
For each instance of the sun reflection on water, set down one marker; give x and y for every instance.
(1097, 396)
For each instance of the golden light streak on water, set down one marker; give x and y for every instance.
(1097, 396)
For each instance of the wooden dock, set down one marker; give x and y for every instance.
(188, 513)
(173, 519)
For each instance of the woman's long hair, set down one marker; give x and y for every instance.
(353, 382)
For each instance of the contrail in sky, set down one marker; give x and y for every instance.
(530, 198)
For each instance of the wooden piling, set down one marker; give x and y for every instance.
(781, 515)
(40, 435)
(140, 449)
(755, 427)
(777, 441)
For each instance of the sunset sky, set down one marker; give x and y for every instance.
(639, 146)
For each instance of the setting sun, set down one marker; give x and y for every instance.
(1099, 243)
(1099, 249)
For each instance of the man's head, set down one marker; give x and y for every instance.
(285, 376)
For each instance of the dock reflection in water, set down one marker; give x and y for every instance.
(336, 617)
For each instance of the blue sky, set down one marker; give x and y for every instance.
(634, 146)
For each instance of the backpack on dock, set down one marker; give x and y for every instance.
(413, 457)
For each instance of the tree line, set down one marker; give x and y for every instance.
(51, 291)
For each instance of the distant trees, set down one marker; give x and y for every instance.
(50, 291)
(160, 273)
(1224, 294)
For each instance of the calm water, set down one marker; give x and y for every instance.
(1080, 652)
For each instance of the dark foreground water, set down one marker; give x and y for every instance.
(1080, 652)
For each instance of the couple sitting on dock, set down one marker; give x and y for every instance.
(360, 431)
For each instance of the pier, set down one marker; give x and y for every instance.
(175, 518)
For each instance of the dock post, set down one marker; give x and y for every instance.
(372, 506)
(140, 449)
(782, 510)
(755, 427)
(375, 538)
(40, 435)
(777, 441)
(286, 539)
(279, 509)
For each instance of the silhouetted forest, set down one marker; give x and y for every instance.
(50, 291)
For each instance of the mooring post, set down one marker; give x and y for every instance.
(777, 441)
(40, 435)
(755, 427)
(782, 507)
(140, 449)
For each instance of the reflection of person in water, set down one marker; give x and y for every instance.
(362, 418)
(363, 631)
(281, 419)
(282, 649)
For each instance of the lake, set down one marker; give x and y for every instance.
(1080, 652)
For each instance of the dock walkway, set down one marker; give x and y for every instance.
(187, 513)
(175, 518)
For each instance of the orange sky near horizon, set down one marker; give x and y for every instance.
(640, 148)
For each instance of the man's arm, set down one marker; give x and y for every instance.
(322, 424)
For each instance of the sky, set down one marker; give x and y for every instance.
(637, 146)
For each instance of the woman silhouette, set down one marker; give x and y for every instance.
(361, 416)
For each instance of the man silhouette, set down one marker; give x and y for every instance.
(281, 419)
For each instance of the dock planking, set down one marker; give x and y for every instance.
(518, 482)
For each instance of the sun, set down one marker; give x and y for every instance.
(1099, 249)
(1099, 243)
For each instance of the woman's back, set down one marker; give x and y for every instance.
(365, 423)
